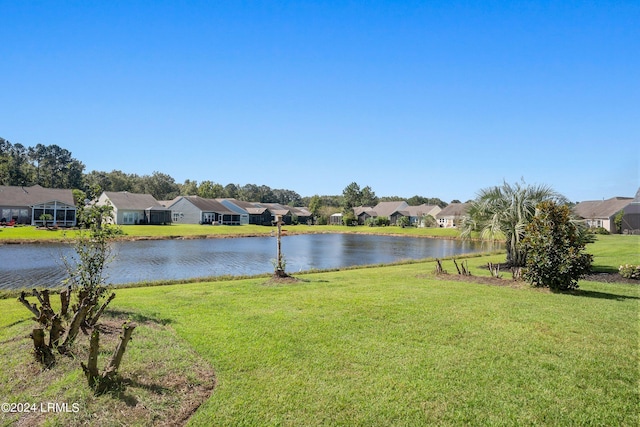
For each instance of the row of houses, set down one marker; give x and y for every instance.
(28, 205)
(447, 217)
(595, 213)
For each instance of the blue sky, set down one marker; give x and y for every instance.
(434, 98)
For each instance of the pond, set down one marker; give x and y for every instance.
(40, 265)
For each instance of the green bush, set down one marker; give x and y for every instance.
(554, 248)
(601, 230)
(382, 221)
(630, 271)
(403, 221)
(349, 219)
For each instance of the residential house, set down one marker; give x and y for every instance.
(363, 213)
(25, 205)
(258, 215)
(391, 210)
(631, 218)
(133, 208)
(601, 213)
(244, 215)
(452, 215)
(276, 209)
(417, 214)
(198, 210)
(302, 214)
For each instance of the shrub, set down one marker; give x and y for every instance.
(349, 219)
(403, 221)
(630, 271)
(554, 246)
(382, 221)
(601, 230)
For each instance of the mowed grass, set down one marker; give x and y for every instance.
(398, 345)
(611, 251)
(28, 233)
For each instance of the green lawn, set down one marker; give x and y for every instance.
(397, 345)
(28, 233)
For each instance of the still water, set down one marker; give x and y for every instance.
(40, 265)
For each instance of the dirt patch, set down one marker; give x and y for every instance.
(483, 280)
(288, 280)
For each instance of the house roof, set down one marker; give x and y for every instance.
(300, 211)
(276, 208)
(251, 208)
(34, 195)
(209, 205)
(423, 209)
(453, 209)
(359, 210)
(389, 208)
(133, 201)
(592, 209)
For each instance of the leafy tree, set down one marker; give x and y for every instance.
(368, 197)
(287, 197)
(79, 197)
(15, 168)
(231, 191)
(555, 249)
(266, 195)
(189, 188)
(210, 190)
(353, 196)
(314, 206)
(504, 212)
(160, 185)
(617, 221)
(56, 167)
(249, 193)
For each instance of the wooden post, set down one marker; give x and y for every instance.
(32, 307)
(95, 318)
(65, 298)
(456, 264)
(75, 324)
(56, 331)
(114, 364)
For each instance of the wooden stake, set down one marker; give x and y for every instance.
(114, 364)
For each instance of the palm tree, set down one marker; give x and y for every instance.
(504, 212)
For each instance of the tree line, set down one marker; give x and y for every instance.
(52, 166)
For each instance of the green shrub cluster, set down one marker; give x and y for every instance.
(600, 230)
(630, 271)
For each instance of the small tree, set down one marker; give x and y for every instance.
(45, 218)
(349, 218)
(617, 221)
(86, 270)
(554, 245)
(86, 278)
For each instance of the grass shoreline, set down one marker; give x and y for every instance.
(31, 235)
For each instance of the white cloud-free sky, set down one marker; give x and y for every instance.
(434, 98)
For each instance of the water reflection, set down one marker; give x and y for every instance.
(40, 265)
